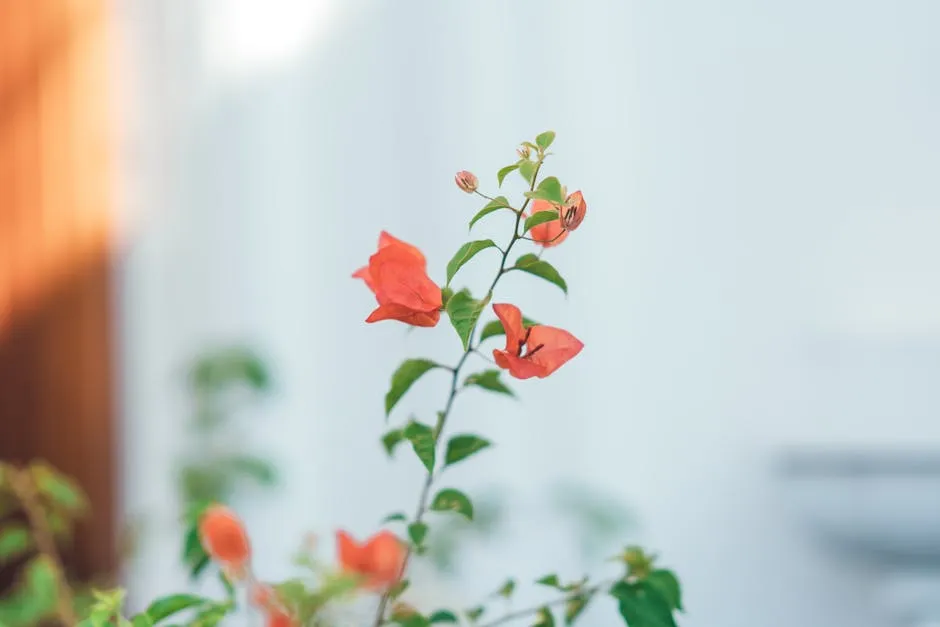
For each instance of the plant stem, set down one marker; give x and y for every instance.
(505, 618)
(25, 490)
(454, 387)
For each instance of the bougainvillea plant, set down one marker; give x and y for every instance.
(519, 348)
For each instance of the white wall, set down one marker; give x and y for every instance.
(756, 270)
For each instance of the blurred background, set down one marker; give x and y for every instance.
(192, 182)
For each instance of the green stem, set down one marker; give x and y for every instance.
(422, 508)
(505, 618)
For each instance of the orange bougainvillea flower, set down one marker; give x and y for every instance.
(573, 212)
(378, 560)
(547, 234)
(534, 352)
(264, 597)
(224, 539)
(397, 275)
(278, 618)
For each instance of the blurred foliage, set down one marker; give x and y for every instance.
(220, 383)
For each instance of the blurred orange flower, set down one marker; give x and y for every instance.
(224, 539)
(397, 275)
(378, 560)
(534, 352)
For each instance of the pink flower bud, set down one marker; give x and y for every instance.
(523, 151)
(466, 181)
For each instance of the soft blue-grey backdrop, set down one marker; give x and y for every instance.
(758, 267)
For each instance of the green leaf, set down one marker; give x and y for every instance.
(507, 589)
(668, 585)
(550, 580)
(412, 620)
(422, 440)
(464, 312)
(641, 605)
(474, 613)
(549, 189)
(500, 202)
(538, 218)
(574, 606)
(417, 531)
(408, 372)
(142, 620)
(59, 489)
(396, 517)
(392, 439)
(533, 265)
(464, 254)
(398, 589)
(443, 616)
(446, 293)
(504, 172)
(544, 618)
(544, 140)
(495, 327)
(527, 169)
(260, 470)
(451, 500)
(461, 447)
(167, 606)
(15, 541)
(488, 380)
(194, 556)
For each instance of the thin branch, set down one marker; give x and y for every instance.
(505, 618)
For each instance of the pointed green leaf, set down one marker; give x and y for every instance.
(489, 380)
(495, 327)
(533, 265)
(641, 605)
(550, 580)
(446, 293)
(504, 172)
(500, 202)
(544, 618)
(538, 218)
(574, 606)
(461, 447)
(142, 620)
(465, 254)
(464, 312)
(668, 585)
(450, 500)
(168, 606)
(527, 169)
(549, 189)
(408, 372)
(396, 517)
(544, 140)
(443, 616)
(392, 439)
(417, 531)
(398, 589)
(15, 541)
(474, 613)
(507, 589)
(422, 440)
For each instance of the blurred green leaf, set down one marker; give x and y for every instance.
(443, 616)
(495, 327)
(550, 580)
(167, 606)
(540, 217)
(15, 541)
(396, 517)
(544, 140)
(533, 265)
(227, 367)
(464, 254)
(528, 169)
(462, 446)
(474, 613)
(392, 439)
(404, 377)
(489, 380)
(417, 531)
(422, 441)
(451, 500)
(59, 489)
(575, 606)
(507, 589)
(255, 468)
(504, 172)
(544, 618)
(549, 189)
(464, 311)
(500, 202)
(642, 605)
(666, 582)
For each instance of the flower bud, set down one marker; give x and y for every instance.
(466, 181)
(523, 151)
(573, 212)
(224, 538)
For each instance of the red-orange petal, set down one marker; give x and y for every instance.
(547, 234)
(511, 319)
(223, 537)
(363, 273)
(518, 367)
(278, 618)
(557, 348)
(348, 552)
(386, 556)
(386, 240)
(406, 315)
(401, 281)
